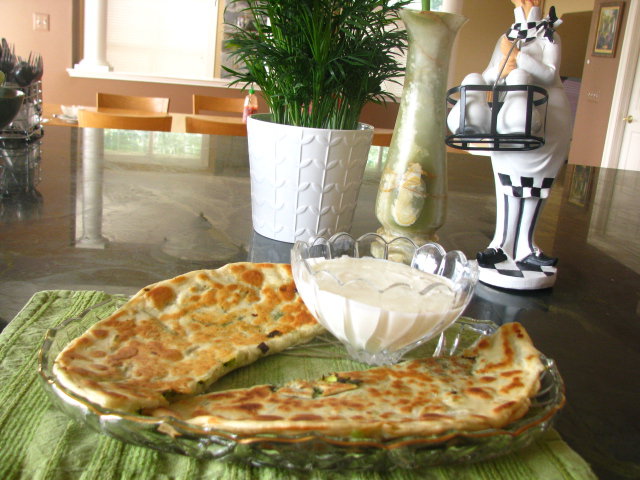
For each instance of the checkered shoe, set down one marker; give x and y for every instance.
(518, 275)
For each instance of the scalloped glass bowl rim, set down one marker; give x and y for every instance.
(467, 283)
(459, 273)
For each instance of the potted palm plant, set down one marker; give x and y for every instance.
(317, 63)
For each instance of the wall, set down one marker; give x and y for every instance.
(594, 103)
(488, 19)
(574, 32)
(16, 25)
(568, 6)
(56, 46)
(575, 35)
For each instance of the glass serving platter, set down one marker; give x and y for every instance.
(308, 451)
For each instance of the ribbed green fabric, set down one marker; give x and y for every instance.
(39, 442)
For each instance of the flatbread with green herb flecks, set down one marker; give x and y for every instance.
(180, 335)
(488, 386)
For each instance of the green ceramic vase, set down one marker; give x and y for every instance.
(412, 197)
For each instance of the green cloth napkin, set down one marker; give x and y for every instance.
(39, 442)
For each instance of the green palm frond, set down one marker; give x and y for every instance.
(318, 62)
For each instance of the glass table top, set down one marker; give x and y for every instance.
(117, 210)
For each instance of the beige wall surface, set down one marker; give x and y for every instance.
(569, 6)
(16, 25)
(488, 19)
(57, 47)
(574, 33)
(596, 96)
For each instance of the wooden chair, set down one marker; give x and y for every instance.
(127, 102)
(91, 119)
(214, 127)
(382, 137)
(204, 104)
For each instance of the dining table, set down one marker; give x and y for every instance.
(52, 114)
(89, 216)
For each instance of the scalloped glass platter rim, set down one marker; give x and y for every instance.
(306, 451)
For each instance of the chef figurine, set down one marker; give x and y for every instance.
(523, 179)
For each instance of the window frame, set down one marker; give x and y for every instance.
(95, 65)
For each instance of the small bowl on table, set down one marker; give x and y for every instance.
(69, 113)
(382, 299)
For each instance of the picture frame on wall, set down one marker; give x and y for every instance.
(608, 29)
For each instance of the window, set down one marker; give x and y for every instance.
(171, 39)
(175, 41)
(162, 37)
(138, 148)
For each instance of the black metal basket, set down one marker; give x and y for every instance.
(537, 97)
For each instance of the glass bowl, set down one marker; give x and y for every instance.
(382, 299)
(306, 451)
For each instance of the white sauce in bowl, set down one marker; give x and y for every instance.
(375, 304)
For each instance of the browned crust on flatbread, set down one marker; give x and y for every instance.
(180, 335)
(488, 386)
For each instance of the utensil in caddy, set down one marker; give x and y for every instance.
(25, 76)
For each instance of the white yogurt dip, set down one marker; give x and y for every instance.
(375, 305)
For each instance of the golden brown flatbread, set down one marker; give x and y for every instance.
(180, 335)
(488, 386)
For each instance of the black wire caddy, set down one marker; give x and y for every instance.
(465, 138)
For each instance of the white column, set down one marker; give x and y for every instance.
(95, 37)
(92, 178)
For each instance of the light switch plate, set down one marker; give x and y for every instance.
(41, 21)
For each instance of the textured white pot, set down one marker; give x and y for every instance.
(304, 181)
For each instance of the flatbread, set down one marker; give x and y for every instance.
(180, 335)
(488, 386)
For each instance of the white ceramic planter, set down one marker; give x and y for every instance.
(304, 181)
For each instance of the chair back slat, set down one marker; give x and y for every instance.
(204, 104)
(91, 119)
(128, 102)
(213, 127)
